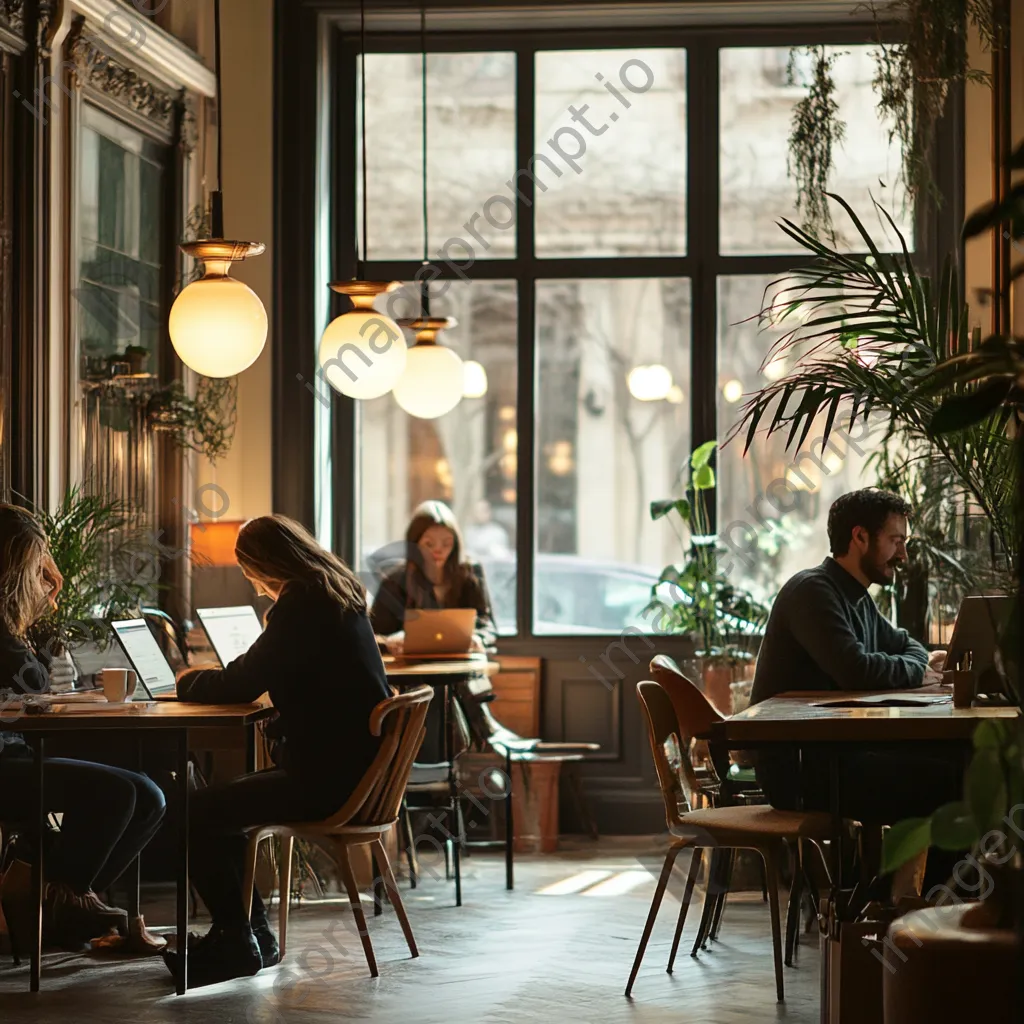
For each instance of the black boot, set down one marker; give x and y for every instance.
(270, 951)
(225, 952)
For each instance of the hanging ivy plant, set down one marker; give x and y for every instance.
(912, 81)
(815, 131)
(913, 78)
(203, 423)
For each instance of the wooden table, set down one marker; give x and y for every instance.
(811, 719)
(141, 717)
(798, 718)
(444, 674)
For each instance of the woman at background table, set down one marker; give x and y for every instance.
(434, 575)
(109, 814)
(319, 662)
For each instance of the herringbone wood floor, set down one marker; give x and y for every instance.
(502, 957)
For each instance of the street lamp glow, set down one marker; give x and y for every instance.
(650, 383)
(732, 391)
(474, 379)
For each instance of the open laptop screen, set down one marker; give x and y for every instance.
(232, 631)
(142, 650)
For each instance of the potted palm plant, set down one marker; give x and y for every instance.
(694, 597)
(110, 563)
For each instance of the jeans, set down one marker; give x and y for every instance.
(218, 816)
(109, 815)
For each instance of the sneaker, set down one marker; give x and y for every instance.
(270, 951)
(223, 953)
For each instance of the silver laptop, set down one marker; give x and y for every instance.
(232, 631)
(438, 631)
(156, 676)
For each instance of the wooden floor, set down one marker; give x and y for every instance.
(527, 956)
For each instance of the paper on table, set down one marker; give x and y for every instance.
(885, 700)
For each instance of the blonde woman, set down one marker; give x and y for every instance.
(108, 814)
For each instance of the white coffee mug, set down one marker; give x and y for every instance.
(118, 684)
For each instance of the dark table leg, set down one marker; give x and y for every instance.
(453, 787)
(509, 830)
(39, 828)
(134, 876)
(183, 787)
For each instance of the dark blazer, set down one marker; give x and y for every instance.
(395, 595)
(323, 671)
(22, 671)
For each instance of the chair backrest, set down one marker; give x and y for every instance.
(676, 776)
(399, 722)
(696, 715)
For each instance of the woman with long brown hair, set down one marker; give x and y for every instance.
(319, 662)
(435, 574)
(108, 814)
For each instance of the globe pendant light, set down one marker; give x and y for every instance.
(433, 381)
(362, 353)
(218, 325)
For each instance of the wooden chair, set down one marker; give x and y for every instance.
(751, 827)
(367, 814)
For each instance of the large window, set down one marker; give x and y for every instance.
(573, 232)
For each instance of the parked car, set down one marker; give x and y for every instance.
(572, 595)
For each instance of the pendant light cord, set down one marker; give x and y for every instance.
(425, 289)
(361, 263)
(217, 198)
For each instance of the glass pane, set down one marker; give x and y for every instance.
(610, 152)
(603, 453)
(120, 229)
(466, 458)
(773, 504)
(757, 105)
(471, 152)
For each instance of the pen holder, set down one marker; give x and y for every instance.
(964, 685)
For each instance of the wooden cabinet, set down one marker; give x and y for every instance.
(517, 686)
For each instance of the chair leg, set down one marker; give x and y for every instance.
(457, 851)
(249, 878)
(716, 920)
(349, 878)
(410, 845)
(380, 855)
(659, 892)
(793, 912)
(691, 878)
(772, 870)
(285, 890)
(710, 899)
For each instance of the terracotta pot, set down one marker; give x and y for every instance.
(535, 806)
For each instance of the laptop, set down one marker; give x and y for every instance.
(156, 676)
(430, 632)
(232, 631)
(980, 623)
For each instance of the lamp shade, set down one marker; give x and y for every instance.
(363, 352)
(218, 325)
(474, 379)
(433, 381)
(213, 544)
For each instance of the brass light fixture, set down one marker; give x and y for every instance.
(433, 381)
(218, 325)
(362, 352)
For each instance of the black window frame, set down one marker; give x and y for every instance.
(936, 233)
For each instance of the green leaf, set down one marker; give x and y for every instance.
(954, 827)
(989, 735)
(958, 412)
(702, 455)
(703, 479)
(985, 789)
(660, 509)
(906, 839)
